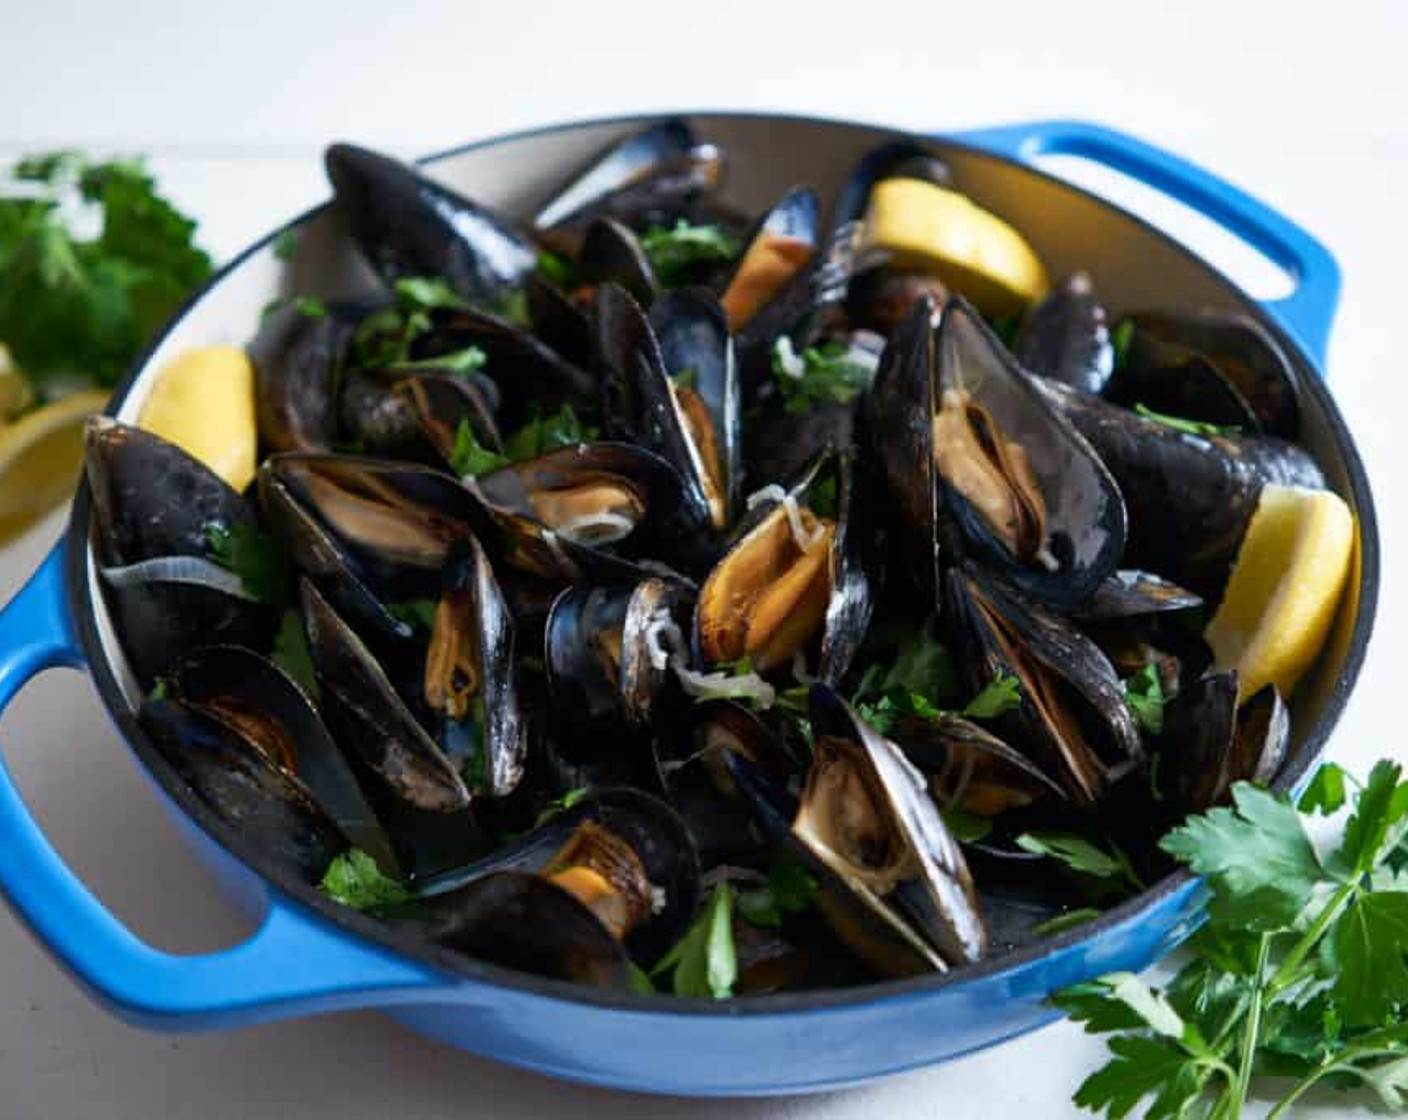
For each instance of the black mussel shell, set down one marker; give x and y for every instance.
(1131, 593)
(1242, 352)
(408, 225)
(1084, 523)
(1072, 720)
(1066, 337)
(653, 177)
(585, 513)
(298, 360)
(373, 724)
(159, 513)
(970, 768)
(1189, 497)
(602, 656)
(653, 830)
(259, 702)
(269, 808)
(530, 378)
(611, 253)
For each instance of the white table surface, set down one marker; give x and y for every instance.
(1306, 111)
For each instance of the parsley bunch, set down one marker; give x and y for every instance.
(1301, 971)
(93, 260)
(825, 374)
(678, 253)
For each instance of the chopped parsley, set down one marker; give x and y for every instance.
(560, 804)
(789, 890)
(462, 362)
(1121, 339)
(704, 962)
(547, 433)
(469, 458)
(254, 556)
(557, 269)
(355, 880)
(1144, 693)
(93, 261)
(286, 244)
(291, 653)
(414, 612)
(311, 306)
(677, 254)
(825, 374)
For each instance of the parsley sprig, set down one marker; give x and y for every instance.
(1301, 971)
(678, 253)
(825, 374)
(704, 962)
(537, 436)
(355, 880)
(93, 259)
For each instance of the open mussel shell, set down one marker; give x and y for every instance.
(1072, 719)
(601, 653)
(1066, 337)
(523, 921)
(1045, 512)
(272, 810)
(770, 288)
(1209, 743)
(796, 578)
(1189, 497)
(970, 768)
(408, 225)
(697, 434)
(158, 514)
(652, 830)
(865, 815)
(298, 362)
(371, 721)
(584, 513)
(529, 377)
(697, 354)
(653, 177)
(259, 702)
(1210, 365)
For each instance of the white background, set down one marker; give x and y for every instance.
(234, 102)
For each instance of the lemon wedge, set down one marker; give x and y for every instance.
(15, 393)
(203, 401)
(926, 228)
(1285, 585)
(39, 457)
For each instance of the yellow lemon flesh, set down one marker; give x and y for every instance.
(1285, 585)
(39, 456)
(922, 227)
(203, 401)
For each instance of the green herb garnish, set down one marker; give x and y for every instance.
(999, 695)
(355, 880)
(1144, 693)
(677, 254)
(1111, 869)
(966, 826)
(559, 804)
(469, 458)
(558, 270)
(825, 374)
(414, 612)
(460, 362)
(789, 890)
(1191, 427)
(426, 293)
(547, 433)
(704, 962)
(75, 300)
(291, 653)
(255, 557)
(1300, 972)
(1121, 339)
(311, 306)
(285, 244)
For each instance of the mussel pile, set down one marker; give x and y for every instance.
(645, 550)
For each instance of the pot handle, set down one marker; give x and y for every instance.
(1306, 314)
(295, 963)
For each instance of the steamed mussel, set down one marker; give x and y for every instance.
(642, 572)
